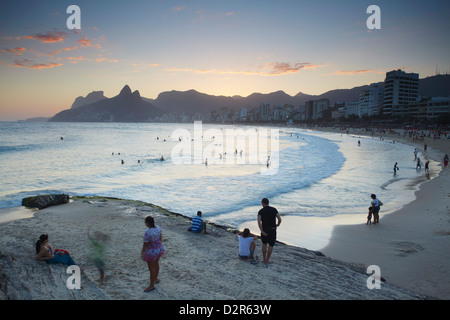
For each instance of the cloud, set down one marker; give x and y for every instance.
(139, 67)
(68, 49)
(49, 37)
(18, 51)
(266, 69)
(26, 63)
(101, 59)
(178, 8)
(75, 59)
(278, 68)
(353, 72)
(88, 43)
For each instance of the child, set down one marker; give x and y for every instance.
(369, 217)
(98, 251)
(427, 167)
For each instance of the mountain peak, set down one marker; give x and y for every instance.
(125, 91)
(136, 94)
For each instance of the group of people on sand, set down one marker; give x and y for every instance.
(152, 249)
(374, 210)
(268, 221)
(98, 240)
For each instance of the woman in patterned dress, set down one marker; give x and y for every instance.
(152, 250)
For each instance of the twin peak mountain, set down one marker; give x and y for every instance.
(127, 106)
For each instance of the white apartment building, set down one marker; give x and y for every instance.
(400, 88)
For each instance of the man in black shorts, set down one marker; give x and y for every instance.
(267, 217)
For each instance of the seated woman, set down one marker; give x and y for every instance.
(247, 244)
(45, 252)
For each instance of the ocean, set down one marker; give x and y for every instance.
(310, 174)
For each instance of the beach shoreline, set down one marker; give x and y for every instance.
(353, 242)
(410, 244)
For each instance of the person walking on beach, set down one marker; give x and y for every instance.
(415, 153)
(267, 221)
(445, 160)
(98, 251)
(418, 165)
(427, 167)
(152, 251)
(376, 208)
(247, 244)
(395, 169)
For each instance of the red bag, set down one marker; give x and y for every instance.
(57, 251)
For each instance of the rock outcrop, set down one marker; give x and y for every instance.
(92, 97)
(45, 201)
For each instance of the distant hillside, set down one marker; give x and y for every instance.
(435, 86)
(92, 97)
(128, 106)
(193, 101)
(125, 107)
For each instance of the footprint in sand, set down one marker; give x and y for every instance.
(405, 247)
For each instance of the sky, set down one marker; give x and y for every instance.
(227, 47)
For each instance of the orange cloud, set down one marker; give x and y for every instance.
(68, 49)
(106, 59)
(31, 65)
(49, 37)
(75, 59)
(54, 52)
(267, 69)
(16, 51)
(88, 43)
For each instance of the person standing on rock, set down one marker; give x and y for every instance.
(268, 221)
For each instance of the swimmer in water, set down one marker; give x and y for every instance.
(395, 168)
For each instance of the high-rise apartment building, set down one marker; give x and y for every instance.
(400, 88)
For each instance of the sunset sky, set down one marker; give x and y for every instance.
(227, 47)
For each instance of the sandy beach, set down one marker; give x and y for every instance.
(411, 246)
(195, 266)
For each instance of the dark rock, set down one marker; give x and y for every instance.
(45, 201)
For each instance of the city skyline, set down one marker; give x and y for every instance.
(218, 48)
